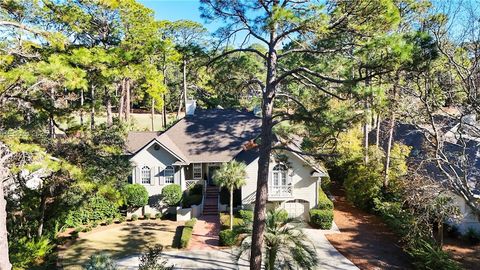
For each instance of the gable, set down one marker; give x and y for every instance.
(153, 154)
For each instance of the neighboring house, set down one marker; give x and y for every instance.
(191, 150)
(414, 137)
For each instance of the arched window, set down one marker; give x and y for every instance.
(146, 175)
(168, 174)
(279, 175)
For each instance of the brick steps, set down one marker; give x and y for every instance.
(210, 207)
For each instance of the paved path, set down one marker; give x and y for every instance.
(205, 233)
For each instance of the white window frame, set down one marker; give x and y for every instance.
(145, 175)
(169, 179)
(280, 175)
(197, 169)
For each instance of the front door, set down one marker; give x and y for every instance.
(211, 171)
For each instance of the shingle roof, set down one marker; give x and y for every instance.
(215, 135)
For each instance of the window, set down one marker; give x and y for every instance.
(168, 174)
(279, 175)
(197, 170)
(146, 175)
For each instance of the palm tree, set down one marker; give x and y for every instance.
(232, 176)
(286, 246)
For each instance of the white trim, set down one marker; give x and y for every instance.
(162, 145)
(142, 175)
(199, 165)
(165, 177)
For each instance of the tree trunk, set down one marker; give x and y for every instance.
(185, 84)
(121, 102)
(389, 150)
(153, 114)
(108, 106)
(265, 150)
(231, 208)
(180, 105)
(377, 126)
(365, 132)
(92, 113)
(440, 233)
(51, 124)
(164, 107)
(127, 100)
(81, 107)
(43, 205)
(4, 259)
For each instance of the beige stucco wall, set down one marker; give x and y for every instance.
(304, 185)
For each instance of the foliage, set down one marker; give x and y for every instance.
(186, 236)
(172, 194)
(323, 201)
(28, 252)
(100, 261)
(430, 256)
(225, 220)
(152, 259)
(191, 222)
(96, 208)
(147, 216)
(197, 189)
(246, 215)
(321, 218)
(227, 237)
(136, 196)
(473, 236)
(134, 217)
(158, 215)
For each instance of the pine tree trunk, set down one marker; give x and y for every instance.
(377, 126)
(180, 105)
(81, 107)
(121, 102)
(231, 208)
(92, 113)
(43, 205)
(185, 84)
(4, 259)
(51, 124)
(127, 100)
(153, 114)
(164, 107)
(265, 149)
(108, 106)
(389, 150)
(365, 132)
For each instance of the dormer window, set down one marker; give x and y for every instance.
(146, 175)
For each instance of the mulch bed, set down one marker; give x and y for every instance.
(365, 239)
(466, 254)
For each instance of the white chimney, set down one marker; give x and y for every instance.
(190, 107)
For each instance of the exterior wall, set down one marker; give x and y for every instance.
(304, 185)
(157, 161)
(467, 219)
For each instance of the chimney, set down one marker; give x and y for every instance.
(190, 107)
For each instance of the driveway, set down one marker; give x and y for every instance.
(213, 259)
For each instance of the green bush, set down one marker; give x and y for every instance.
(121, 219)
(191, 199)
(24, 251)
(321, 219)
(172, 194)
(190, 223)
(94, 209)
(100, 261)
(134, 217)
(246, 215)
(135, 196)
(431, 256)
(158, 215)
(147, 215)
(323, 201)
(225, 220)
(197, 189)
(109, 221)
(472, 236)
(186, 235)
(227, 237)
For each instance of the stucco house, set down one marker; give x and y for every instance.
(190, 151)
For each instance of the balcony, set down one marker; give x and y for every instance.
(276, 193)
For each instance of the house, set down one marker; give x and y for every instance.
(190, 151)
(413, 136)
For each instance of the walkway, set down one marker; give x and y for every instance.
(205, 233)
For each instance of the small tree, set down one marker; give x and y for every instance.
(152, 260)
(232, 176)
(100, 261)
(136, 196)
(172, 194)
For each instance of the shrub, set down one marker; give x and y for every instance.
(136, 196)
(158, 215)
(122, 219)
(190, 223)
(197, 189)
(246, 215)
(225, 220)
(191, 199)
(321, 218)
(473, 236)
(134, 217)
(227, 237)
(172, 194)
(25, 252)
(109, 221)
(100, 261)
(152, 260)
(323, 201)
(185, 238)
(429, 256)
(147, 215)
(95, 208)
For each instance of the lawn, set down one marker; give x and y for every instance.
(119, 240)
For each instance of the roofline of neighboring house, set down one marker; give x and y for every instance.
(154, 140)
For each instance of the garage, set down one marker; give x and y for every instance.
(297, 209)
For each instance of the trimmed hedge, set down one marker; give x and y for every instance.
(96, 208)
(190, 223)
(321, 218)
(323, 201)
(135, 195)
(227, 237)
(172, 194)
(186, 235)
(191, 199)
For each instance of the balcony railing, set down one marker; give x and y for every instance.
(191, 183)
(280, 191)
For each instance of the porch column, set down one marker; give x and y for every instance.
(183, 184)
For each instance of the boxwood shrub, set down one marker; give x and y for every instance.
(172, 194)
(323, 201)
(190, 223)
(186, 235)
(227, 237)
(96, 208)
(321, 218)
